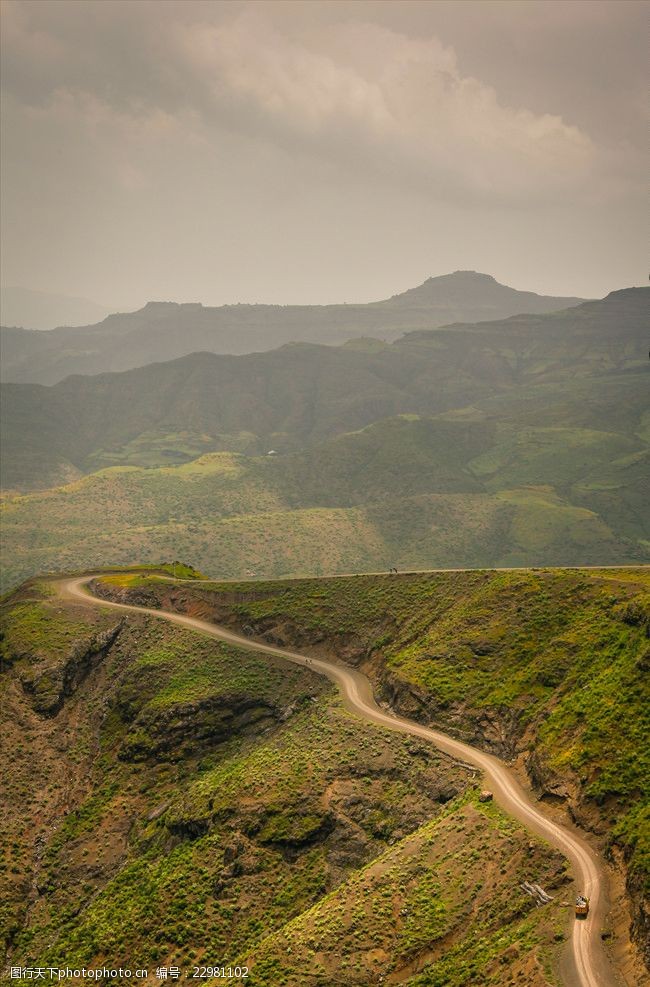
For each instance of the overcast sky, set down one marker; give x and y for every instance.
(317, 151)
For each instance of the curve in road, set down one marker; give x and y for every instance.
(588, 962)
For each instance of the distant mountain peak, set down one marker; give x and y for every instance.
(466, 274)
(467, 289)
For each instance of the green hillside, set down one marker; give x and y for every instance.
(172, 800)
(545, 667)
(451, 491)
(520, 442)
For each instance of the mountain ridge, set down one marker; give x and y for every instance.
(521, 441)
(304, 392)
(167, 330)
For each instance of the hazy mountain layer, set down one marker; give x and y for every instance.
(165, 330)
(538, 454)
(300, 394)
(45, 310)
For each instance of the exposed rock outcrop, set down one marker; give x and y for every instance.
(50, 684)
(174, 732)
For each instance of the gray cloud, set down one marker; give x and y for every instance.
(119, 105)
(354, 90)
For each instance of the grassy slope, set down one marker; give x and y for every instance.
(552, 663)
(547, 465)
(456, 490)
(150, 821)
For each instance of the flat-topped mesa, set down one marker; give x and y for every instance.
(165, 307)
(477, 292)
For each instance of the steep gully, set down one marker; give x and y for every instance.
(586, 963)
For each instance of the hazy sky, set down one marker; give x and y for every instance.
(317, 151)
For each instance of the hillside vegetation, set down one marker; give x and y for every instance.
(176, 801)
(165, 330)
(412, 492)
(516, 442)
(546, 667)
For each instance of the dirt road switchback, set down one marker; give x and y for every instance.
(586, 963)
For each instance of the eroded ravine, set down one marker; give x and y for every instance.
(587, 963)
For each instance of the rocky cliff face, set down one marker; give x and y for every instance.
(184, 729)
(50, 683)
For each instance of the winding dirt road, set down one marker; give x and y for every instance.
(587, 964)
